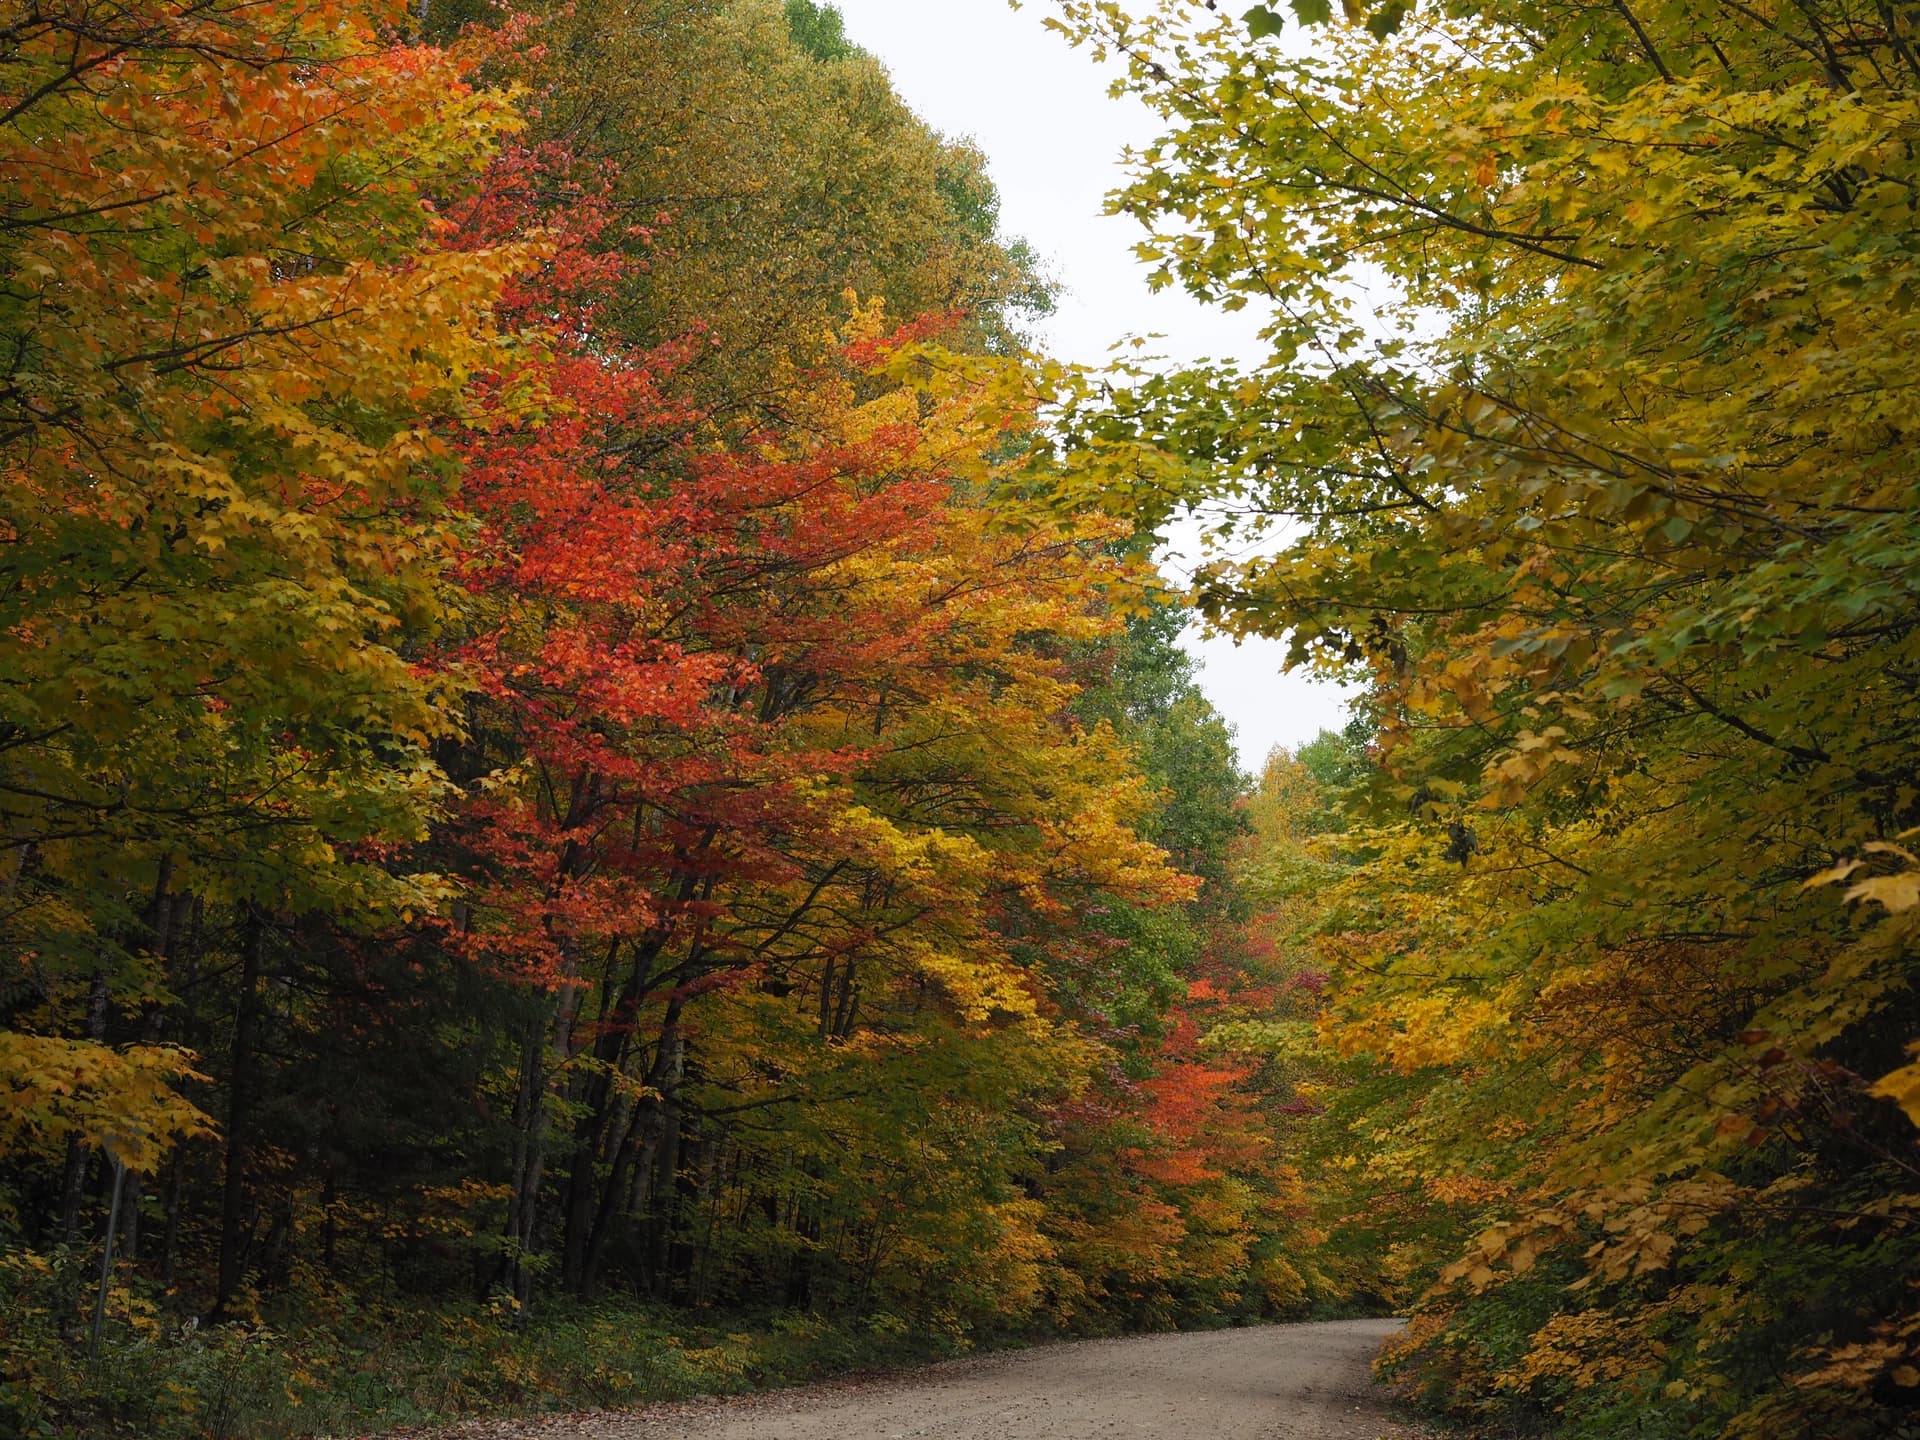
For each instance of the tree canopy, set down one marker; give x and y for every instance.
(599, 797)
(1582, 440)
(556, 758)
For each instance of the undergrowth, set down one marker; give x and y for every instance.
(324, 1365)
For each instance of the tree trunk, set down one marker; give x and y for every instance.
(329, 1221)
(240, 1102)
(163, 921)
(531, 1123)
(634, 1141)
(528, 1114)
(611, 1049)
(176, 1176)
(640, 1146)
(73, 1179)
(670, 1066)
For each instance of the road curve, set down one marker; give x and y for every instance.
(1275, 1382)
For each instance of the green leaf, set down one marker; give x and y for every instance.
(1262, 21)
(1312, 12)
(1384, 21)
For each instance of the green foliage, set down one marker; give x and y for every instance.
(1263, 21)
(771, 169)
(1337, 760)
(324, 1365)
(1182, 745)
(1608, 498)
(819, 30)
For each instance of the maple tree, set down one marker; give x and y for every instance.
(694, 665)
(229, 321)
(1581, 439)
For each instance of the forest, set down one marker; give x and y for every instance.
(600, 799)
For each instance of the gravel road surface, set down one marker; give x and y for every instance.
(1278, 1382)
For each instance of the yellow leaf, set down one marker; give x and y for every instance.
(1831, 874)
(1903, 1086)
(1896, 892)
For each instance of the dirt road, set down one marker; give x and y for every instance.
(1280, 1382)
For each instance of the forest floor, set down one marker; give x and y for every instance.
(1276, 1382)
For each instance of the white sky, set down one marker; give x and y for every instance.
(1053, 138)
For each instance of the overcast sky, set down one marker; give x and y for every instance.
(1053, 139)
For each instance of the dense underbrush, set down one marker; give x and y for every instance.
(326, 1365)
(317, 1362)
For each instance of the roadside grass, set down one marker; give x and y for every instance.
(324, 1366)
(318, 1360)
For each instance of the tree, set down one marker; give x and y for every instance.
(1610, 504)
(228, 319)
(819, 30)
(759, 714)
(764, 168)
(552, 751)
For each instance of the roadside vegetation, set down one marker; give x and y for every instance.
(1583, 444)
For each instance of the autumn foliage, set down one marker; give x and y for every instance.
(525, 780)
(1583, 445)
(599, 797)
